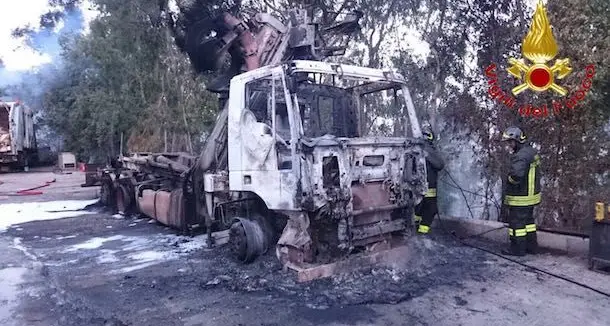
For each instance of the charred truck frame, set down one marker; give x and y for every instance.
(286, 164)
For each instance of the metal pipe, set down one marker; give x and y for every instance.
(172, 165)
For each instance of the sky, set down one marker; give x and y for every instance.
(18, 56)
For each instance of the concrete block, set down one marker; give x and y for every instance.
(565, 243)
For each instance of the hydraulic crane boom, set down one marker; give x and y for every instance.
(264, 40)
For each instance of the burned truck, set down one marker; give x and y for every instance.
(286, 166)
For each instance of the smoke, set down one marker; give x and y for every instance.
(45, 41)
(31, 85)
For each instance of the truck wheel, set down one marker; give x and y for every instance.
(124, 199)
(247, 239)
(107, 193)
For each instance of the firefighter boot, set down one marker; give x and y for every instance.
(423, 229)
(532, 243)
(517, 247)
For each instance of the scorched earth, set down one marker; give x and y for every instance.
(62, 265)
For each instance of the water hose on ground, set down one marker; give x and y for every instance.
(29, 191)
(463, 242)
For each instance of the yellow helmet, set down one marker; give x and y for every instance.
(427, 132)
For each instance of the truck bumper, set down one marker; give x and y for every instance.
(8, 158)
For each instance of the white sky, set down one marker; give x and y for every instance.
(16, 55)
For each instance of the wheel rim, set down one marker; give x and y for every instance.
(247, 240)
(238, 240)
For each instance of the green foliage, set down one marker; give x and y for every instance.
(572, 143)
(126, 78)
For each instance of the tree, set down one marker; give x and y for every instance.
(127, 81)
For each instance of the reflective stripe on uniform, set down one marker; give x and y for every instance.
(532, 175)
(416, 218)
(522, 200)
(530, 228)
(511, 180)
(517, 232)
(531, 198)
(423, 228)
(431, 192)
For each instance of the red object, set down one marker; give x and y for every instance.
(82, 167)
(540, 77)
(30, 192)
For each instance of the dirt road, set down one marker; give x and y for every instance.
(100, 269)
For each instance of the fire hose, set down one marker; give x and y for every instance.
(463, 241)
(29, 191)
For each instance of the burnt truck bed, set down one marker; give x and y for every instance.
(152, 184)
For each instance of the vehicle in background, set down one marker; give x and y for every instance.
(18, 148)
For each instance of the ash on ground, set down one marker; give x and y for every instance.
(435, 261)
(107, 267)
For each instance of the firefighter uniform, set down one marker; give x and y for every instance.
(522, 194)
(427, 208)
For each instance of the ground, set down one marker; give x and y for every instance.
(95, 268)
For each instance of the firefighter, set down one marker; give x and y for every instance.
(427, 208)
(522, 193)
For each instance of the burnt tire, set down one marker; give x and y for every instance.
(124, 199)
(107, 193)
(247, 239)
(204, 48)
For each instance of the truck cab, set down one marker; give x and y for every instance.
(296, 144)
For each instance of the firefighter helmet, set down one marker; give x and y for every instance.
(514, 133)
(427, 132)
